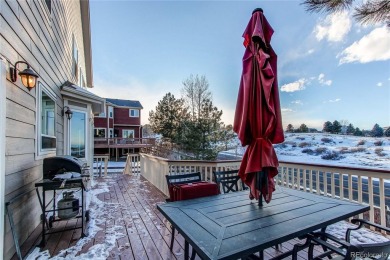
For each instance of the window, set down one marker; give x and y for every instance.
(78, 134)
(111, 133)
(134, 113)
(100, 132)
(47, 121)
(75, 54)
(110, 112)
(126, 133)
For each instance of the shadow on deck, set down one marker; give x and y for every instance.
(125, 224)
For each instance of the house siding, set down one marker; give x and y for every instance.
(29, 32)
(121, 116)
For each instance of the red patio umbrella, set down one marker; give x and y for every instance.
(258, 121)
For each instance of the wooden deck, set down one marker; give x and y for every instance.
(130, 226)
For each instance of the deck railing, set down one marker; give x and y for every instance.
(369, 186)
(119, 141)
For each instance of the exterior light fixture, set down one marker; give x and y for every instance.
(28, 76)
(67, 112)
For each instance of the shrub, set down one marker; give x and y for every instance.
(379, 152)
(326, 140)
(304, 144)
(378, 143)
(282, 145)
(361, 142)
(344, 150)
(308, 151)
(358, 149)
(320, 150)
(332, 155)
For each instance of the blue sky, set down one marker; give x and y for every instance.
(329, 67)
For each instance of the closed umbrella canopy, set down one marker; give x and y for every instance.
(258, 121)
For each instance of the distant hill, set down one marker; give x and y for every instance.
(330, 149)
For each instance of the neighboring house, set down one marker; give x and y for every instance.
(121, 119)
(53, 37)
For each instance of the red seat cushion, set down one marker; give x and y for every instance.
(193, 190)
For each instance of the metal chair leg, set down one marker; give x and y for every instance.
(193, 254)
(172, 237)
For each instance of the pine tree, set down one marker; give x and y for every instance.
(303, 128)
(328, 127)
(368, 12)
(336, 127)
(358, 132)
(167, 117)
(387, 132)
(350, 129)
(290, 128)
(377, 131)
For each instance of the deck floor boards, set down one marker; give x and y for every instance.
(146, 234)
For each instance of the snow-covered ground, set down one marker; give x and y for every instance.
(345, 150)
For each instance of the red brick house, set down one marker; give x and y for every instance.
(120, 120)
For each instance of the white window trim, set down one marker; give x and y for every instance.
(84, 111)
(100, 128)
(111, 130)
(108, 112)
(43, 153)
(131, 130)
(133, 110)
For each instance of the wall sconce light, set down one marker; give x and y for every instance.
(28, 76)
(67, 112)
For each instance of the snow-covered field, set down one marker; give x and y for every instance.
(343, 150)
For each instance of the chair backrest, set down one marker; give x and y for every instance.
(183, 178)
(180, 179)
(228, 180)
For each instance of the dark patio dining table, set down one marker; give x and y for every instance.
(229, 226)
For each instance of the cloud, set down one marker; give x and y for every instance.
(379, 84)
(322, 81)
(334, 27)
(294, 86)
(286, 110)
(333, 100)
(372, 47)
(297, 102)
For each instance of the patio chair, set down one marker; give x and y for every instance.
(344, 249)
(228, 180)
(175, 180)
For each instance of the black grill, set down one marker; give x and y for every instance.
(61, 164)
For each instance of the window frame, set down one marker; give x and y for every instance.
(110, 112)
(131, 109)
(131, 130)
(40, 152)
(100, 128)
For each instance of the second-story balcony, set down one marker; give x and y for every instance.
(119, 142)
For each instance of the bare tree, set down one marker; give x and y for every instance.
(367, 12)
(195, 92)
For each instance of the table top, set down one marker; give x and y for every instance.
(229, 226)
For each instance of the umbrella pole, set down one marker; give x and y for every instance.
(259, 181)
